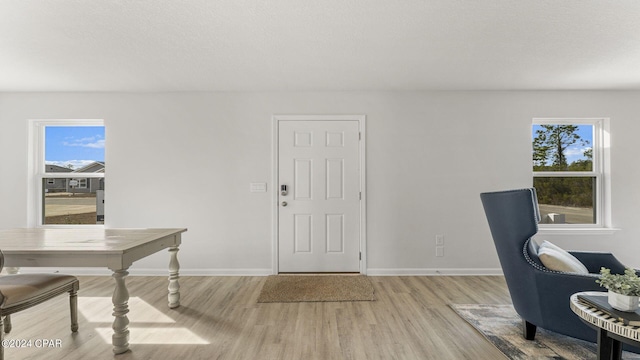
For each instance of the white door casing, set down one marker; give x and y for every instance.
(319, 220)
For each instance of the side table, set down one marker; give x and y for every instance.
(611, 331)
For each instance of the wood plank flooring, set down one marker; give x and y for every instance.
(220, 319)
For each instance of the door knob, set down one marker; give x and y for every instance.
(284, 203)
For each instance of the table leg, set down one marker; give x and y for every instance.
(120, 338)
(608, 348)
(616, 350)
(174, 286)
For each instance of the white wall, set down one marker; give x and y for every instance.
(429, 156)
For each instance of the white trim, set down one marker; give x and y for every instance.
(576, 231)
(436, 272)
(70, 175)
(262, 272)
(363, 190)
(71, 226)
(275, 119)
(148, 272)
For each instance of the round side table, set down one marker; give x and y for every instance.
(611, 331)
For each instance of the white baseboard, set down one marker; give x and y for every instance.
(148, 272)
(224, 272)
(259, 272)
(434, 272)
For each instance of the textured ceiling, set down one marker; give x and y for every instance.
(299, 45)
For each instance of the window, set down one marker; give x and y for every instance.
(79, 183)
(569, 172)
(68, 172)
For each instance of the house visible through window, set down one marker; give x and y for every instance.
(568, 171)
(70, 172)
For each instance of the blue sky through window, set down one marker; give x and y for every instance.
(575, 151)
(74, 145)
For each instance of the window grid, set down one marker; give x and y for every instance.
(597, 170)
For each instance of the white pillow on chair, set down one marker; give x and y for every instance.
(557, 259)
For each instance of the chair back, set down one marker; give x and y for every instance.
(513, 218)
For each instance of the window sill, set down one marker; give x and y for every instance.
(576, 231)
(71, 226)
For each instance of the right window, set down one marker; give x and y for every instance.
(568, 171)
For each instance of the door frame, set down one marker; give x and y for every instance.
(275, 120)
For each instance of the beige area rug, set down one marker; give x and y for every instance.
(502, 326)
(299, 288)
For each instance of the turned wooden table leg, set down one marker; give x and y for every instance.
(120, 338)
(174, 286)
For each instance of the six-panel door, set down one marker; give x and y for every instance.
(319, 217)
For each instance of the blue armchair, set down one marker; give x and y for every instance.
(539, 295)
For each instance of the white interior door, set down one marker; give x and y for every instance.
(319, 216)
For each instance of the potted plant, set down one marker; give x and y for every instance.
(624, 289)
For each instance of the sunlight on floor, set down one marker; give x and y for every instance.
(152, 335)
(99, 309)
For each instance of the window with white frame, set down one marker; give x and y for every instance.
(68, 172)
(569, 171)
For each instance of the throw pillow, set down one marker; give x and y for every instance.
(555, 258)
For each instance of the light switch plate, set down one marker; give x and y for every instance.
(258, 187)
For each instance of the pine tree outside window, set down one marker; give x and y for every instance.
(569, 172)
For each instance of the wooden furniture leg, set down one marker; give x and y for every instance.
(174, 286)
(7, 324)
(7, 320)
(73, 308)
(120, 338)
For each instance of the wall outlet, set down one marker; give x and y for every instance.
(439, 251)
(439, 240)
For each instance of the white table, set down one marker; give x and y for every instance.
(115, 249)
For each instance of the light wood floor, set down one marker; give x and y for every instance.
(220, 319)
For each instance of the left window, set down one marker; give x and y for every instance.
(69, 168)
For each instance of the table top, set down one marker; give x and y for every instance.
(600, 319)
(78, 240)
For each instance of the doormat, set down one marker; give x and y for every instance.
(303, 288)
(502, 326)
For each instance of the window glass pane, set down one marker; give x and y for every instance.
(566, 200)
(73, 152)
(562, 147)
(74, 149)
(73, 201)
